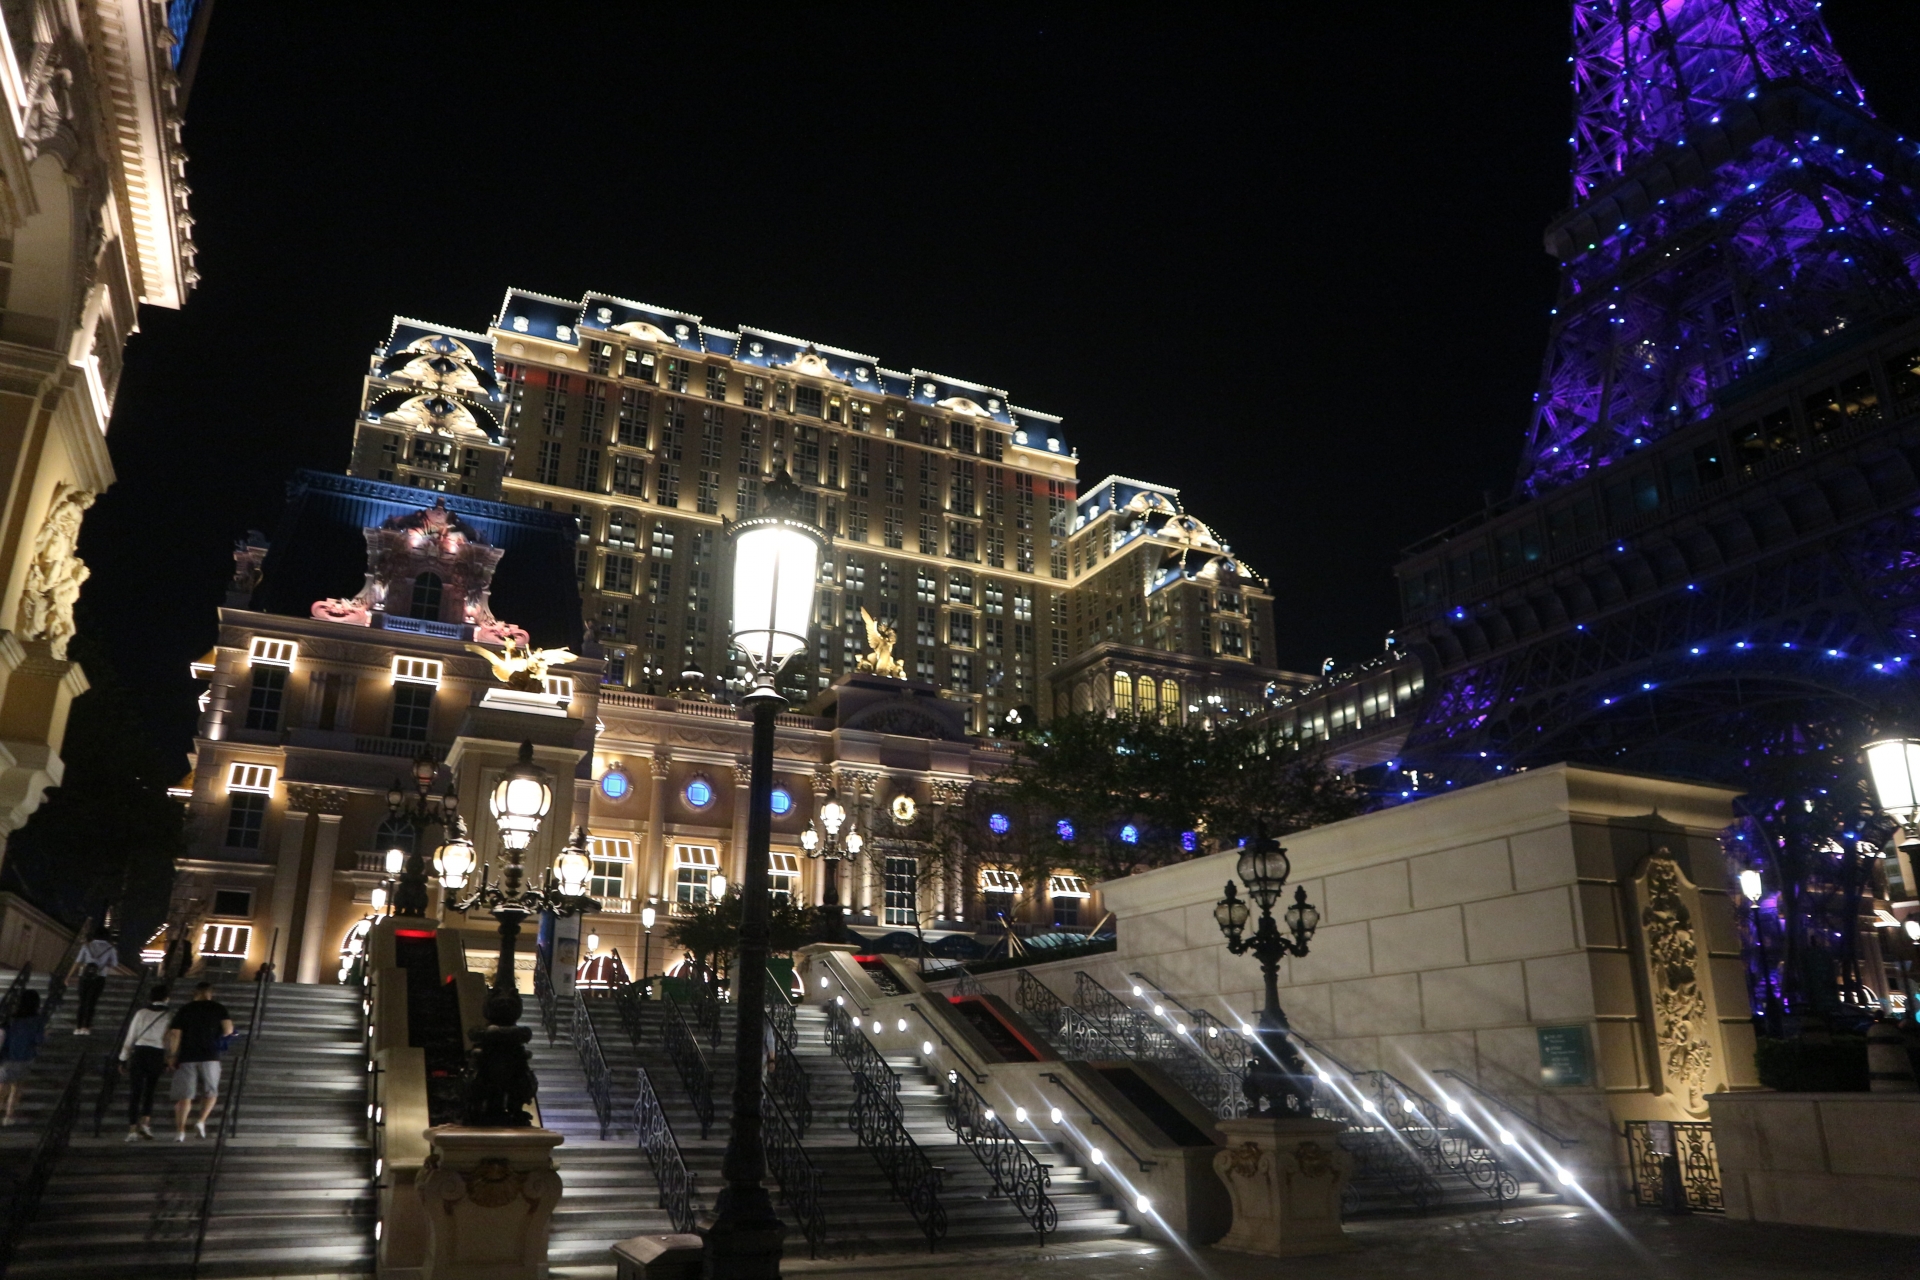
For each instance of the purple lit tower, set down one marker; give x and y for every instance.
(1735, 203)
(1710, 565)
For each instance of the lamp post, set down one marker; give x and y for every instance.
(499, 1081)
(419, 809)
(1278, 1080)
(775, 561)
(831, 849)
(1894, 766)
(647, 916)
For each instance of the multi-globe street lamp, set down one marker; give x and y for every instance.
(499, 1078)
(831, 848)
(775, 561)
(1279, 1080)
(418, 809)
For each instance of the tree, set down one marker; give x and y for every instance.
(710, 930)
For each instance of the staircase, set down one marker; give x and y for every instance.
(862, 1215)
(295, 1194)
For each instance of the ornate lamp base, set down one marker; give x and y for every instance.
(1285, 1177)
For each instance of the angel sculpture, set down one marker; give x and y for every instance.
(880, 660)
(522, 666)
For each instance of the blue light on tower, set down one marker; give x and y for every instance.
(999, 825)
(781, 802)
(1129, 834)
(1064, 830)
(699, 793)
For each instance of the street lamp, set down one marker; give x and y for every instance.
(775, 560)
(647, 916)
(1278, 1080)
(418, 809)
(831, 848)
(499, 1080)
(1894, 765)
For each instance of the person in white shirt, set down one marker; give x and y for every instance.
(143, 1057)
(92, 964)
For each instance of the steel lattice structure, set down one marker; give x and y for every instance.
(1734, 203)
(1710, 568)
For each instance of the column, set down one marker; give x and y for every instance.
(286, 882)
(313, 941)
(737, 854)
(659, 765)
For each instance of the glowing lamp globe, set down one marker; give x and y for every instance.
(1230, 913)
(1264, 869)
(573, 867)
(593, 943)
(647, 916)
(832, 814)
(454, 861)
(718, 885)
(379, 898)
(810, 839)
(395, 860)
(520, 800)
(1302, 917)
(775, 563)
(1894, 764)
(855, 843)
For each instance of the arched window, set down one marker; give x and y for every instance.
(394, 834)
(426, 597)
(1122, 693)
(1147, 696)
(1170, 702)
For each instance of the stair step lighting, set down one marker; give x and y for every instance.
(1055, 1115)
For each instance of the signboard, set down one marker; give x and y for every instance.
(1564, 1060)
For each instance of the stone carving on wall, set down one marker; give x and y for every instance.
(55, 575)
(1673, 962)
(659, 764)
(948, 790)
(519, 667)
(249, 553)
(302, 798)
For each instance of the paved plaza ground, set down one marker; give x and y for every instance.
(1549, 1242)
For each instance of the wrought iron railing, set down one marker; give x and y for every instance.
(968, 985)
(788, 1078)
(22, 980)
(688, 1059)
(1219, 1040)
(1674, 1165)
(110, 1064)
(230, 1116)
(1037, 1001)
(1017, 1174)
(543, 991)
(1215, 1085)
(877, 1121)
(794, 1170)
(593, 1063)
(654, 1132)
(53, 1144)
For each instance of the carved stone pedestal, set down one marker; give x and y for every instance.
(1285, 1177)
(488, 1196)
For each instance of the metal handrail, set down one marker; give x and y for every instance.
(787, 1080)
(110, 1064)
(780, 1011)
(1219, 1037)
(549, 1014)
(53, 1144)
(593, 1063)
(1506, 1106)
(1037, 1000)
(978, 1075)
(230, 1117)
(1218, 1088)
(706, 1004)
(22, 982)
(688, 1059)
(1093, 1117)
(968, 985)
(1018, 1175)
(654, 1133)
(794, 1170)
(876, 1120)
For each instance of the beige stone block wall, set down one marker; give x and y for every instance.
(1842, 1160)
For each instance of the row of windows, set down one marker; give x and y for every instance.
(408, 720)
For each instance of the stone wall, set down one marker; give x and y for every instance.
(1845, 1160)
(1455, 929)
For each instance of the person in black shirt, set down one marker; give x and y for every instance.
(193, 1052)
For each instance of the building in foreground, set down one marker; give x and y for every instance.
(94, 225)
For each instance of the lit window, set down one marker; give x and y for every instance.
(250, 777)
(560, 687)
(1067, 887)
(246, 815)
(610, 857)
(902, 891)
(781, 801)
(783, 875)
(273, 653)
(614, 783)
(995, 880)
(226, 940)
(699, 793)
(694, 869)
(1122, 692)
(417, 670)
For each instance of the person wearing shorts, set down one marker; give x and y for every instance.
(193, 1052)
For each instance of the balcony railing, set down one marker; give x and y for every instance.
(612, 697)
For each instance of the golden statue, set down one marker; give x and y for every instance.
(523, 668)
(880, 660)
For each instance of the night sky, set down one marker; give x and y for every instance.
(1287, 259)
